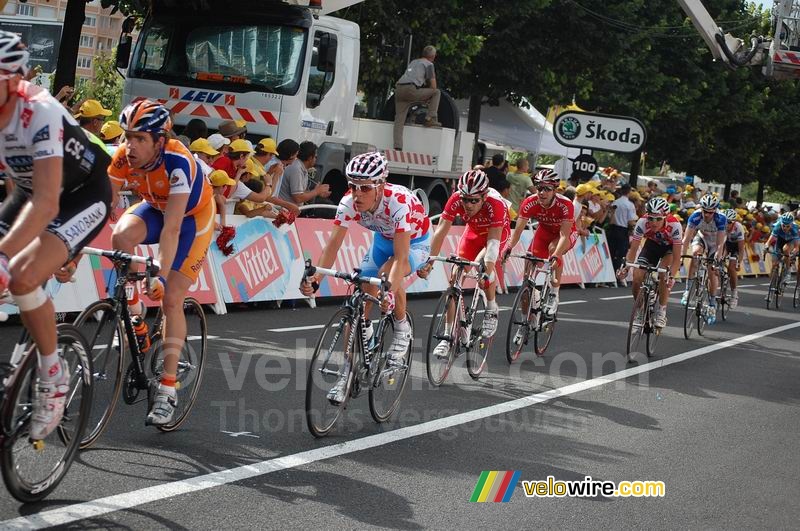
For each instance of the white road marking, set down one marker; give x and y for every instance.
(747, 285)
(295, 328)
(616, 298)
(564, 303)
(127, 500)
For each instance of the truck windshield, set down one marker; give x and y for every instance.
(236, 57)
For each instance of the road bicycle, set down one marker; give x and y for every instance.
(697, 308)
(779, 281)
(529, 317)
(643, 314)
(32, 469)
(461, 326)
(110, 333)
(343, 349)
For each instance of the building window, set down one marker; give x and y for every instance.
(90, 22)
(25, 9)
(87, 41)
(84, 61)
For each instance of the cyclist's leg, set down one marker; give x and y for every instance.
(79, 221)
(193, 243)
(648, 257)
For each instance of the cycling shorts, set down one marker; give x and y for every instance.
(383, 248)
(471, 244)
(733, 249)
(543, 238)
(710, 247)
(82, 213)
(652, 253)
(197, 230)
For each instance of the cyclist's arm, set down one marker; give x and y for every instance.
(332, 247)
(722, 237)
(632, 250)
(687, 238)
(494, 234)
(442, 228)
(518, 229)
(170, 233)
(402, 248)
(770, 242)
(563, 241)
(40, 210)
(676, 260)
(740, 243)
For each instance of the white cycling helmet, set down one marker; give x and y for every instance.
(709, 202)
(473, 182)
(658, 206)
(372, 166)
(13, 54)
(731, 215)
(546, 176)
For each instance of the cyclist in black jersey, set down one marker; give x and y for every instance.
(60, 201)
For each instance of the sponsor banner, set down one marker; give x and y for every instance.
(203, 289)
(594, 258)
(266, 264)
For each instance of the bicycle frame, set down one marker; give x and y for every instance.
(463, 317)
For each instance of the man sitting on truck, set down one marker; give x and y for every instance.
(417, 84)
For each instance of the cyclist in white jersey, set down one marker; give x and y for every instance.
(705, 232)
(734, 249)
(60, 201)
(401, 244)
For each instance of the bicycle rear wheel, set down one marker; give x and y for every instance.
(519, 324)
(32, 470)
(190, 364)
(636, 324)
(723, 297)
(105, 337)
(690, 311)
(390, 378)
(479, 346)
(438, 367)
(328, 363)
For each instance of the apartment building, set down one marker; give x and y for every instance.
(40, 23)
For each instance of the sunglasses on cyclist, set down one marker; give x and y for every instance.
(655, 218)
(545, 188)
(471, 200)
(363, 188)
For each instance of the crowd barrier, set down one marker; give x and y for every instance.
(267, 265)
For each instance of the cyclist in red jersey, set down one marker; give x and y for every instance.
(488, 227)
(556, 233)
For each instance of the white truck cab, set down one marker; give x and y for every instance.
(288, 72)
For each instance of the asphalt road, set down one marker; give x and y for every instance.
(715, 418)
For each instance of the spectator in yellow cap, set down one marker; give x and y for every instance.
(266, 157)
(219, 182)
(234, 161)
(204, 154)
(111, 132)
(91, 116)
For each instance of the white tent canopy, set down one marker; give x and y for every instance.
(515, 128)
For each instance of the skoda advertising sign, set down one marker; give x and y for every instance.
(604, 132)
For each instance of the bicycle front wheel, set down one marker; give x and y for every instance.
(479, 345)
(636, 324)
(519, 324)
(796, 299)
(723, 298)
(772, 291)
(105, 337)
(390, 377)
(779, 288)
(32, 470)
(690, 311)
(328, 364)
(438, 365)
(190, 364)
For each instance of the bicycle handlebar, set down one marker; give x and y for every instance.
(153, 267)
(647, 268)
(455, 260)
(353, 278)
